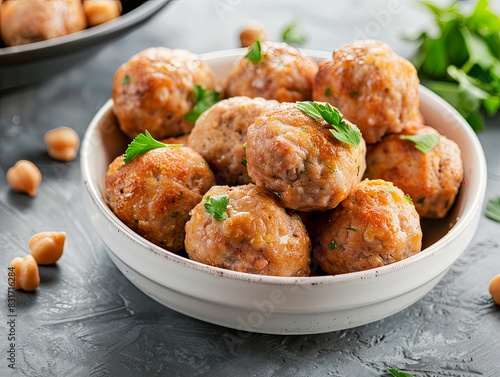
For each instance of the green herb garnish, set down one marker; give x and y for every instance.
(174, 214)
(255, 52)
(493, 209)
(216, 206)
(331, 169)
(397, 373)
(328, 91)
(298, 217)
(461, 62)
(126, 80)
(245, 145)
(332, 245)
(352, 229)
(353, 94)
(423, 142)
(244, 162)
(294, 33)
(203, 99)
(342, 131)
(390, 191)
(179, 196)
(142, 144)
(421, 200)
(408, 198)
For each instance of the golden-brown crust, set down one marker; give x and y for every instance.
(371, 85)
(28, 21)
(153, 91)
(220, 133)
(258, 237)
(285, 74)
(373, 227)
(297, 157)
(153, 193)
(432, 179)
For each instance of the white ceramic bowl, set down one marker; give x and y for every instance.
(280, 305)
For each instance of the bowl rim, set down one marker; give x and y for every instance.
(463, 221)
(51, 47)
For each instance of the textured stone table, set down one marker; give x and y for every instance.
(87, 319)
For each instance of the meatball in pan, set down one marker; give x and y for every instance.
(220, 133)
(28, 21)
(432, 179)
(372, 86)
(375, 226)
(296, 156)
(154, 91)
(153, 193)
(284, 74)
(257, 236)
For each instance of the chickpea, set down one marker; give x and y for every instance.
(62, 143)
(47, 247)
(101, 11)
(26, 273)
(251, 32)
(494, 289)
(24, 177)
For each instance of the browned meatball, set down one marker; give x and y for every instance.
(153, 193)
(153, 91)
(375, 226)
(284, 74)
(28, 21)
(371, 85)
(297, 157)
(432, 179)
(220, 133)
(257, 237)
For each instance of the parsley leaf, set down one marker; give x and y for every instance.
(342, 131)
(294, 33)
(216, 206)
(423, 142)
(408, 198)
(143, 143)
(255, 52)
(126, 79)
(493, 209)
(332, 245)
(397, 373)
(203, 99)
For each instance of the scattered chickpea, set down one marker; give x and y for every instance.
(62, 143)
(251, 32)
(494, 289)
(47, 247)
(101, 11)
(24, 177)
(26, 273)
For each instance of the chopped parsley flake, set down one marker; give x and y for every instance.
(216, 206)
(332, 245)
(423, 142)
(255, 52)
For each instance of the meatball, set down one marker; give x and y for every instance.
(153, 193)
(375, 226)
(153, 91)
(257, 237)
(432, 179)
(28, 21)
(371, 85)
(297, 157)
(220, 133)
(285, 74)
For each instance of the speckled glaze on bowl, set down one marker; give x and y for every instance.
(279, 305)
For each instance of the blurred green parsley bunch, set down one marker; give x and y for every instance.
(461, 61)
